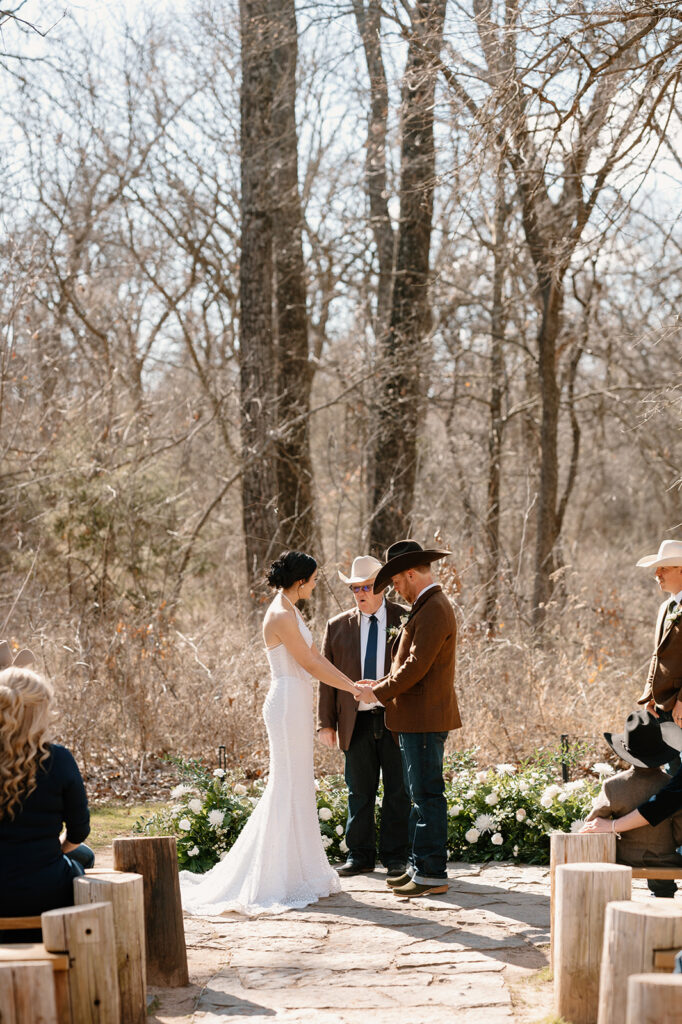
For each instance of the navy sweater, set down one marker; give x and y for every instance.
(34, 873)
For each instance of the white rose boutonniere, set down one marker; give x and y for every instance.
(393, 631)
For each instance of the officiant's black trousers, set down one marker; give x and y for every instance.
(373, 753)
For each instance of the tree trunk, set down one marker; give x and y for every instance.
(294, 378)
(400, 365)
(497, 386)
(256, 351)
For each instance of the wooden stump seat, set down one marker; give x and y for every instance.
(156, 859)
(27, 993)
(581, 896)
(654, 999)
(571, 848)
(633, 935)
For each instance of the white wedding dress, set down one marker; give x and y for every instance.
(278, 862)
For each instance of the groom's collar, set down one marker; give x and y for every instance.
(424, 595)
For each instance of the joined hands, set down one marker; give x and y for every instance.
(364, 691)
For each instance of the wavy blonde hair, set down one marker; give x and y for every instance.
(25, 699)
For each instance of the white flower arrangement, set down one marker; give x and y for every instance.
(481, 776)
(484, 823)
(339, 830)
(219, 773)
(240, 789)
(492, 799)
(472, 836)
(505, 769)
(216, 818)
(577, 825)
(185, 824)
(195, 805)
(182, 790)
(343, 846)
(602, 769)
(194, 852)
(497, 839)
(324, 814)
(455, 810)
(521, 814)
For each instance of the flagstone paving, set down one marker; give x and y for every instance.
(365, 955)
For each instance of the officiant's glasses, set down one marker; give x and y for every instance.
(365, 587)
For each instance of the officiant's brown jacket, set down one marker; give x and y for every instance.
(652, 845)
(664, 680)
(338, 709)
(419, 691)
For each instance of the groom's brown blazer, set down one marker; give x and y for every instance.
(419, 691)
(664, 680)
(338, 709)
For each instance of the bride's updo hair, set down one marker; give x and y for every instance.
(290, 567)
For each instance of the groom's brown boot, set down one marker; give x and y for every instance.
(412, 889)
(400, 880)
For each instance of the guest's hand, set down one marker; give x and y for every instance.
(363, 691)
(598, 825)
(327, 737)
(651, 708)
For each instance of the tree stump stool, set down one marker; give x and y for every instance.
(27, 994)
(654, 999)
(124, 890)
(571, 848)
(156, 859)
(633, 932)
(581, 895)
(87, 935)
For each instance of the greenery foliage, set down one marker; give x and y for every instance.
(501, 813)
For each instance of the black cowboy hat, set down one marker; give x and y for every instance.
(643, 743)
(402, 555)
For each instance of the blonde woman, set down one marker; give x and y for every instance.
(41, 790)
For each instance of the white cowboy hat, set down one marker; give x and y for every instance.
(363, 569)
(669, 553)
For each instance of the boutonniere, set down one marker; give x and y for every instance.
(673, 616)
(393, 631)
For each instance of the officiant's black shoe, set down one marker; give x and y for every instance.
(394, 869)
(351, 867)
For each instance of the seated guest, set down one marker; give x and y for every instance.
(642, 746)
(41, 790)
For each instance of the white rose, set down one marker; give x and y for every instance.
(240, 789)
(521, 814)
(194, 852)
(492, 799)
(523, 786)
(455, 810)
(546, 801)
(472, 835)
(481, 776)
(216, 818)
(326, 842)
(505, 769)
(515, 851)
(324, 814)
(195, 805)
(470, 794)
(339, 830)
(185, 824)
(218, 773)
(563, 797)
(497, 839)
(343, 846)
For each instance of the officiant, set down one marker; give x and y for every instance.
(358, 643)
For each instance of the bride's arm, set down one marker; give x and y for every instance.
(285, 626)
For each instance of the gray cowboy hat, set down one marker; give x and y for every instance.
(643, 741)
(402, 555)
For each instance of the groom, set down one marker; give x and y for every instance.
(421, 706)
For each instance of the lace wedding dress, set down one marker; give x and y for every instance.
(278, 862)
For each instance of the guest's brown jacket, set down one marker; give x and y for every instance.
(338, 709)
(664, 680)
(650, 845)
(419, 691)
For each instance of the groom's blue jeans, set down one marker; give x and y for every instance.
(428, 829)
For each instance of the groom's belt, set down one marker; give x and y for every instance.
(372, 711)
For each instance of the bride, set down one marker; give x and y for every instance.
(278, 862)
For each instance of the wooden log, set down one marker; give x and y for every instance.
(654, 999)
(582, 894)
(87, 935)
(27, 994)
(633, 932)
(572, 848)
(124, 890)
(156, 859)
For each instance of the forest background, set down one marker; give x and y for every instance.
(323, 276)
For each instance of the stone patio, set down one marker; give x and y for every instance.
(365, 954)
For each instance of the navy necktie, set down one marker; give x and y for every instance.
(370, 669)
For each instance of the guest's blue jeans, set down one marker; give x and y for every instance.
(428, 829)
